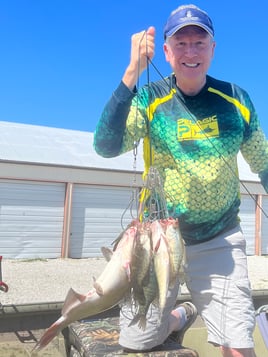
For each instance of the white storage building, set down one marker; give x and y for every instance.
(58, 198)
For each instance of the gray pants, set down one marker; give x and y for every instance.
(217, 278)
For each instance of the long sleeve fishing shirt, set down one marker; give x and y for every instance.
(193, 141)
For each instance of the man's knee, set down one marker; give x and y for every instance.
(237, 352)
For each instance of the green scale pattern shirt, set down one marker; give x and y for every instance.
(194, 142)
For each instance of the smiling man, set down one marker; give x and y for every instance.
(193, 126)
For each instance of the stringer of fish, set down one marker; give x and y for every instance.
(143, 264)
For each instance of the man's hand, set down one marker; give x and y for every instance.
(142, 48)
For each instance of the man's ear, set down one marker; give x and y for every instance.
(166, 51)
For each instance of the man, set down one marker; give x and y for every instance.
(193, 127)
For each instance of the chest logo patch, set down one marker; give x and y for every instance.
(199, 130)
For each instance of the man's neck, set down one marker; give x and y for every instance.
(191, 88)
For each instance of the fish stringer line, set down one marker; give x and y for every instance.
(133, 205)
(153, 204)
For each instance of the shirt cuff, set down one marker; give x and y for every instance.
(123, 94)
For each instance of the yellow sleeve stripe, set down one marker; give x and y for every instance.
(244, 110)
(152, 107)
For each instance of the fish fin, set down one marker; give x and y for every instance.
(49, 334)
(157, 245)
(181, 277)
(133, 223)
(72, 299)
(107, 253)
(127, 270)
(127, 297)
(155, 302)
(98, 288)
(140, 320)
(117, 240)
(133, 321)
(172, 282)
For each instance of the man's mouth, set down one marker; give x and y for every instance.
(191, 65)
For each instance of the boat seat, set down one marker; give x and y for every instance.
(99, 337)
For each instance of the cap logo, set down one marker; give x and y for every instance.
(188, 16)
(188, 13)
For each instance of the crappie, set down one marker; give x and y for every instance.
(150, 292)
(161, 261)
(176, 248)
(141, 262)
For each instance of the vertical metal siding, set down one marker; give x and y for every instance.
(264, 227)
(31, 219)
(99, 214)
(247, 216)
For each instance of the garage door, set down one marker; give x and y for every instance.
(247, 216)
(99, 214)
(31, 219)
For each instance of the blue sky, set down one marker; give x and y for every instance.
(61, 59)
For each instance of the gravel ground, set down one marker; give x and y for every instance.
(38, 281)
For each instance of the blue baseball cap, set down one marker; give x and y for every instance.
(186, 15)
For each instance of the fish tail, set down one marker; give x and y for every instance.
(134, 320)
(140, 319)
(48, 336)
(160, 316)
(142, 322)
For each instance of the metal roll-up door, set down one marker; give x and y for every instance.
(247, 216)
(99, 214)
(264, 226)
(31, 219)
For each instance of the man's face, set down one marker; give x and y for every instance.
(189, 52)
